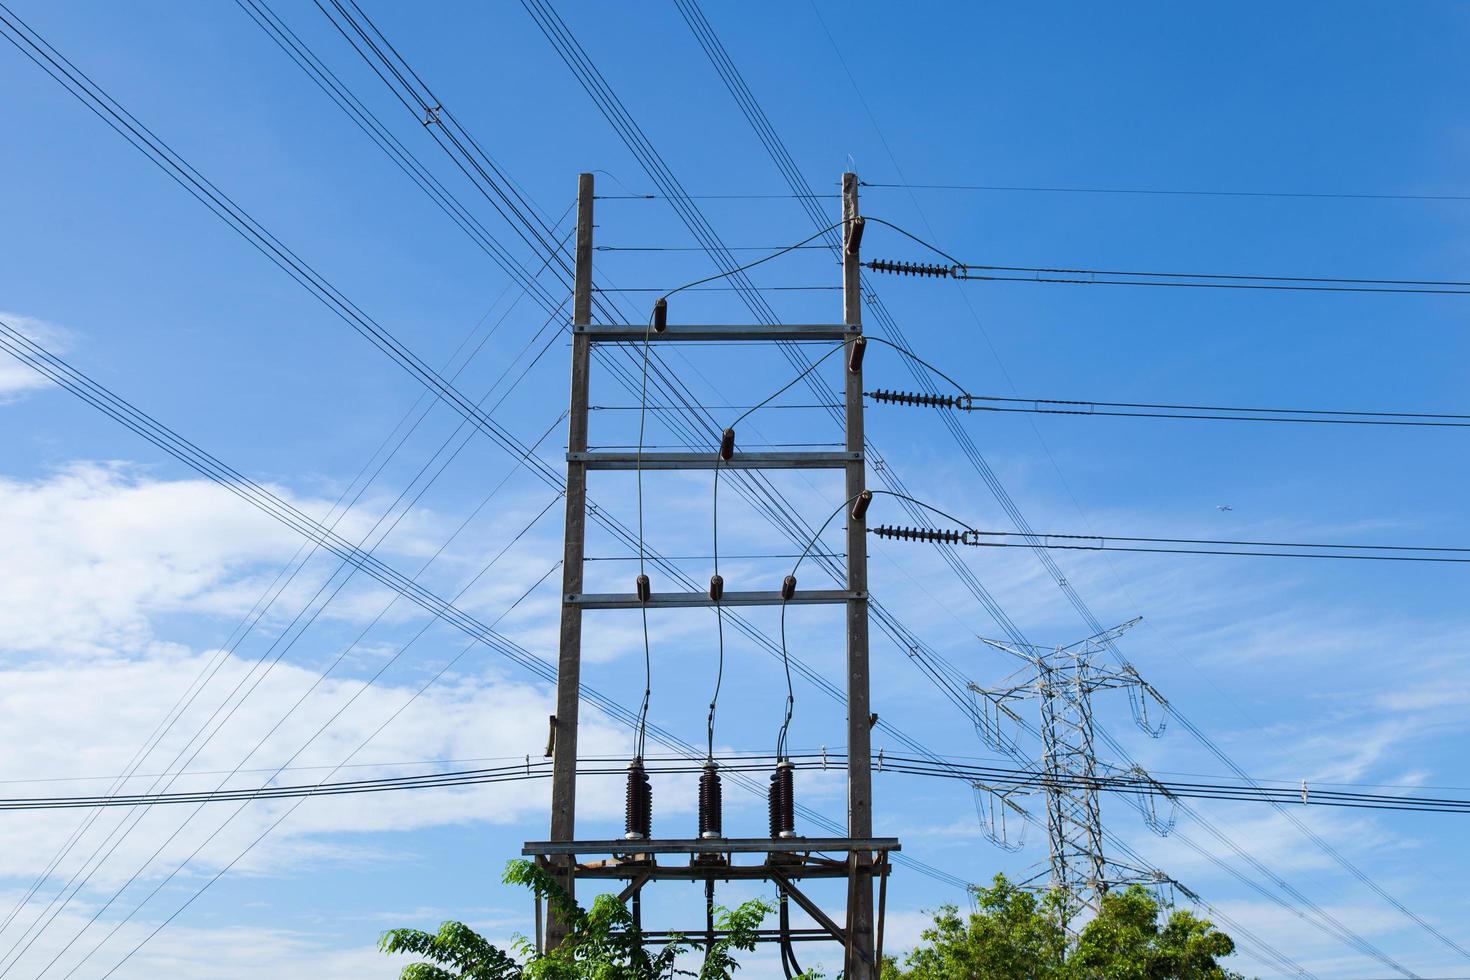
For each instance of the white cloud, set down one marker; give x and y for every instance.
(94, 552)
(17, 378)
(93, 556)
(477, 714)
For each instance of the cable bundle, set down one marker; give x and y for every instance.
(910, 268)
(920, 400)
(918, 534)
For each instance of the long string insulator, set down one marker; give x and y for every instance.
(781, 801)
(727, 444)
(644, 589)
(911, 268)
(638, 807)
(711, 803)
(919, 534)
(716, 587)
(961, 402)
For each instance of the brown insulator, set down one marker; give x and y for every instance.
(855, 235)
(638, 805)
(727, 444)
(855, 355)
(788, 588)
(711, 804)
(716, 587)
(782, 801)
(860, 505)
(660, 315)
(644, 589)
(773, 803)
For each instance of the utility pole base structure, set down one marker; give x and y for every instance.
(784, 860)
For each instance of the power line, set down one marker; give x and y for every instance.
(965, 271)
(1002, 496)
(83, 95)
(784, 162)
(1098, 277)
(1154, 410)
(1224, 547)
(979, 538)
(1165, 192)
(678, 392)
(903, 638)
(751, 762)
(965, 402)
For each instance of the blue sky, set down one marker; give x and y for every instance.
(127, 574)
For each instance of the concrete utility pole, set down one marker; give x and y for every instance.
(785, 859)
(569, 655)
(859, 731)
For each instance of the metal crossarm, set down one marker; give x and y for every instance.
(687, 600)
(606, 460)
(759, 332)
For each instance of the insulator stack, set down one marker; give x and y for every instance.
(781, 801)
(919, 534)
(727, 444)
(921, 400)
(711, 803)
(660, 315)
(716, 587)
(911, 268)
(644, 589)
(638, 807)
(788, 588)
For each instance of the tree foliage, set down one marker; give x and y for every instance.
(1017, 935)
(601, 943)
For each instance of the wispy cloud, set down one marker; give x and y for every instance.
(17, 378)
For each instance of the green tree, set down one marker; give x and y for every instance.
(601, 943)
(1017, 935)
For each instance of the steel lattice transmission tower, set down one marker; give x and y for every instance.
(1062, 680)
